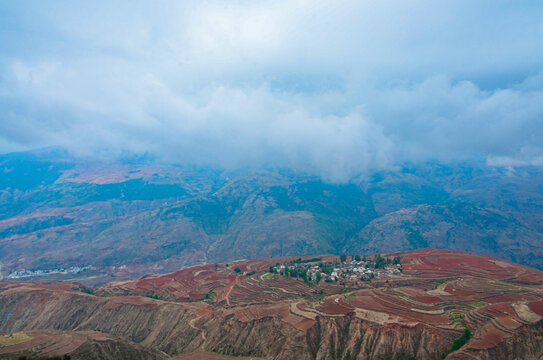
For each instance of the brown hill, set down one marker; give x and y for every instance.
(244, 310)
(78, 344)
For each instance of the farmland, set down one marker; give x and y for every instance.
(438, 293)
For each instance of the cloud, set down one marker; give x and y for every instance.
(335, 89)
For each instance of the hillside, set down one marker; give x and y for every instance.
(241, 309)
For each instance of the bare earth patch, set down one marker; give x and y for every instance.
(524, 312)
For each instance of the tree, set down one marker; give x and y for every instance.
(238, 270)
(343, 258)
(380, 262)
(319, 276)
(458, 342)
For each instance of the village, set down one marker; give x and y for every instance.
(350, 268)
(46, 272)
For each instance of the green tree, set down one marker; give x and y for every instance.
(380, 262)
(458, 342)
(238, 270)
(343, 258)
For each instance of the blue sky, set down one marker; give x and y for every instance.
(331, 87)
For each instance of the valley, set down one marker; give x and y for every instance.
(129, 219)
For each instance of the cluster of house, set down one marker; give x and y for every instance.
(347, 270)
(360, 271)
(33, 273)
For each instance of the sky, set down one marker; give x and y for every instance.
(334, 88)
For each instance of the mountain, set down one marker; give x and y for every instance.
(123, 219)
(426, 304)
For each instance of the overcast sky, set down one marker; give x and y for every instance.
(326, 86)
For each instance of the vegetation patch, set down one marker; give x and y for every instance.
(458, 342)
(13, 339)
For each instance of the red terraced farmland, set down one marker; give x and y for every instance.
(511, 297)
(427, 299)
(300, 323)
(257, 312)
(395, 307)
(455, 289)
(330, 306)
(439, 263)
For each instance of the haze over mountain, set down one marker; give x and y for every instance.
(134, 217)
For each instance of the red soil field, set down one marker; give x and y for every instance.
(428, 262)
(511, 297)
(331, 306)
(537, 307)
(300, 323)
(427, 299)
(456, 289)
(250, 313)
(438, 289)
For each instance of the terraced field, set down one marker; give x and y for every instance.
(438, 294)
(448, 290)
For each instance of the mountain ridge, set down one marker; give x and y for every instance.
(129, 219)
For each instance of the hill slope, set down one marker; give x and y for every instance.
(419, 311)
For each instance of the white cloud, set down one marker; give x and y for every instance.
(326, 87)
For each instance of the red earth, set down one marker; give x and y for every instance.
(437, 288)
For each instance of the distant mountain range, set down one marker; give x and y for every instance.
(132, 217)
